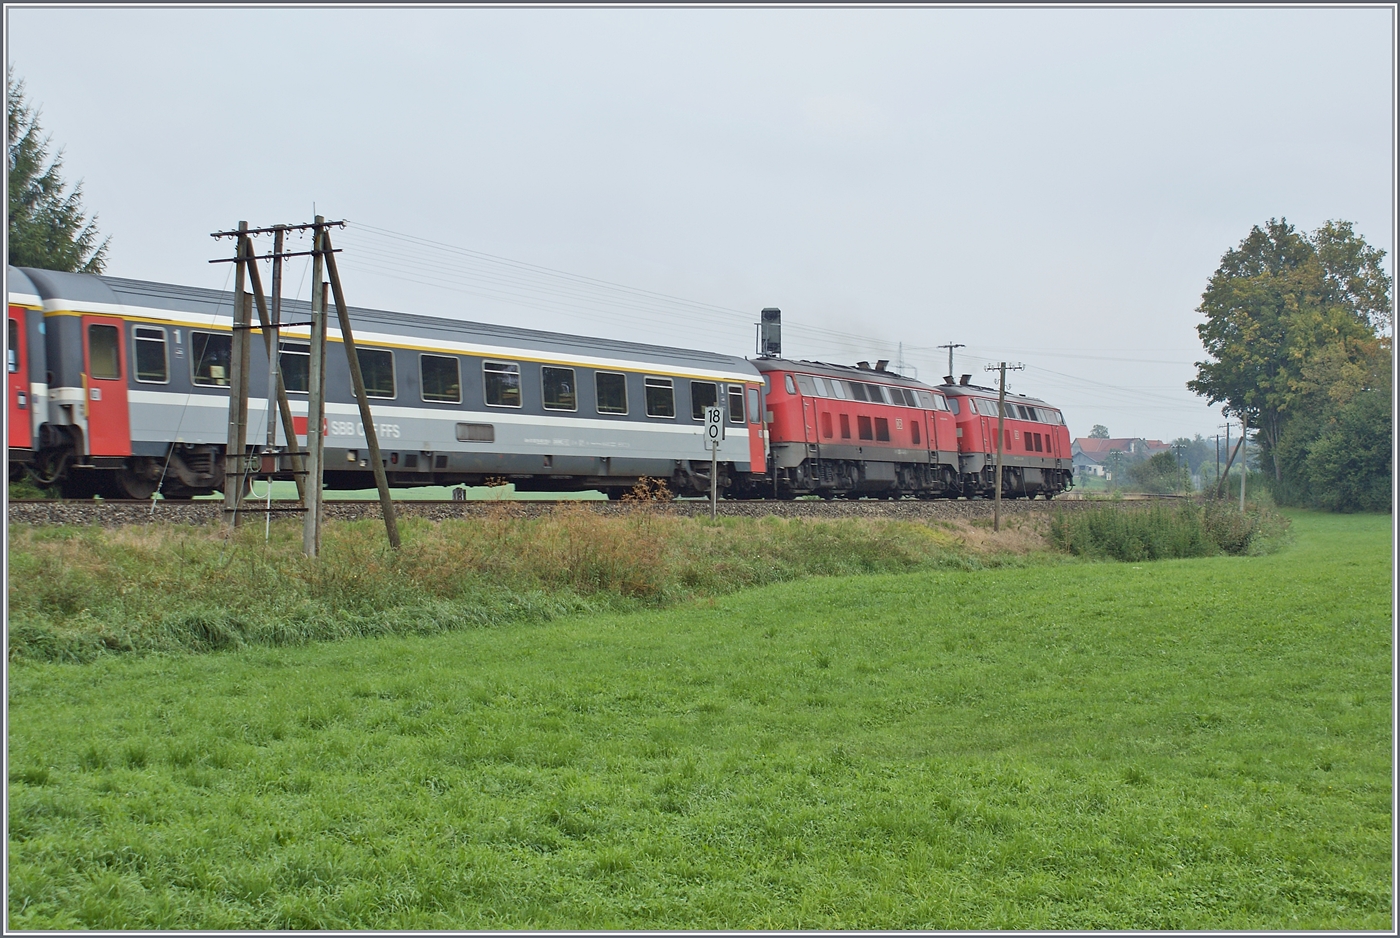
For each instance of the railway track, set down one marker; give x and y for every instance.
(117, 512)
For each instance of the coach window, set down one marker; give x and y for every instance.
(702, 394)
(845, 426)
(293, 361)
(559, 388)
(661, 397)
(442, 378)
(12, 349)
(103, 360)
(882, 429)
(377, 368)
(612, 392)
(753, 405)
(152, 365)
(209, 357)
(736, 403)
(502, 383)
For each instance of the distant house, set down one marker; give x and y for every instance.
(1092, 456)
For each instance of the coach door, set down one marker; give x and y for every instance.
(104, 380)
(16, 380)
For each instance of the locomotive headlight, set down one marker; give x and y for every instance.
(352, 455)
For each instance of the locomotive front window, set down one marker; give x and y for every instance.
(736, 403)
(293, 361)
(612, 392)
(442, 378)
(661, 397)
(953, 406)
(702, 394)
(103, 360)
(559, 388)
(502, 383)
(12, 350)
(210, 353)
(152, 366)
(377, 368)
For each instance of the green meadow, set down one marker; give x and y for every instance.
(1032, 742)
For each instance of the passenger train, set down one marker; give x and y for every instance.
(120, 388)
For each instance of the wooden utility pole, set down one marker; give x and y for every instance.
(316, 401)
(950, 346)
(234, 448)
(1001, 422)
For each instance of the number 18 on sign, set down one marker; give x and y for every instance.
(714, 433)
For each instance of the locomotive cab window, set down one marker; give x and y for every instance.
(736, 403)
(702, 394)
(293, 361)
(209, 357)
(612, 392)
(377, 368)
(559, 388)
(12, 349)
(152, 365)
(502, 383)
(103, 359)
(441, 377)
(661, 397)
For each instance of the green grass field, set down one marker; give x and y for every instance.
(1196, 744)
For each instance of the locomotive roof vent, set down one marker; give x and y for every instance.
(965, 379)
(863, 366)
(880, 365)
(770, 333)
(948, 379)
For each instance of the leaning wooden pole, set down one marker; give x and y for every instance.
(237, 388)
(283, 405)
(357, 379)
(1001, 414)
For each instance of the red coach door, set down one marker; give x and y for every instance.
(104, 374)
(17, 403)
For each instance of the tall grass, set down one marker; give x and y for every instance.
(79, 593)
(1160, 533)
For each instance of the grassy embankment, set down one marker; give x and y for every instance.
(79, 593)
(1186, 744)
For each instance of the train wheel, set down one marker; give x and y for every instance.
(123, 483)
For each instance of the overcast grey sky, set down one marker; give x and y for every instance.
(1048, 186)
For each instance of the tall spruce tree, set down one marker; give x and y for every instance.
(48, 225)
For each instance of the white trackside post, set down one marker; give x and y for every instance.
(714, 433)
